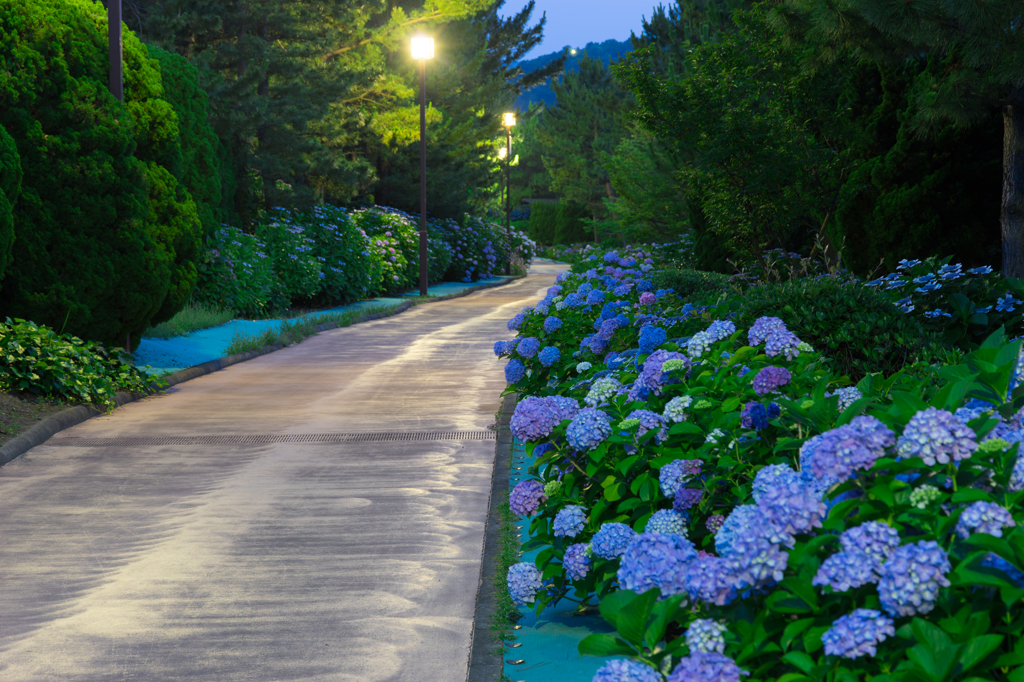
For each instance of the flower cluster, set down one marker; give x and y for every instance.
(526, 497)
(936, 435)
(524, 581)
(984, 517)
(611, 539)
(588, 429)
(858, 634)
(656, 560)
(677, 473)
(770, 379)
(911, 578)
(570, 521)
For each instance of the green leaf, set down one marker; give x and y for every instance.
(800, 660)
(604, 644)
(664, 612)
(976, 649)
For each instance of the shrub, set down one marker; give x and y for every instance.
(297, 269)
(857, 327)
(61, 366)
(569, 226)
(104, 234)
(236, 274)
(692, 284)
(10, 188)
(543, 222)
(343, 250)
(394, 242)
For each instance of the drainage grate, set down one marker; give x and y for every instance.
(261, 439)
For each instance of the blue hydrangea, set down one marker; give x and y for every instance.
(644, 285)
(576, 561)
(999, 563)
(756, 560)
(699, 344)
(549, 355)
(1016, 482)
(651, 337)
(875, 538)
(528, 347)
(782, 342)
(656, 560)
(848, 570)
(676, 473)
(705, 635)
(936, 435)
(552, 324)
(983, 270)
(565, 407)
(526, 497)
(541, 308)
(770, 379)
(1007, 304)
(710, 579)
(594, 297)
(503, 347)
(667, 521)
(611, 539)
(847, 396)
(621, 670)
(848, 448)
(524, 581)
(792, 507)
(772, 476)
(706, 667)
(739, 522)
(912, 578)
(686, 498)
(602, 390)
(606, 329)
(761, 328)
(651, 376)
(554, 290)
(675, 409)
(572, 300)
(984, 517)
(649, 421)
(588, 429)
(623, 289)
(534, 418)
(754, 416)
(515, 370)
(570, 521)
(858, 634)
(516, 322)
(720, 329)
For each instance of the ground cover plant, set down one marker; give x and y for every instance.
(192, 317)
(738, 507)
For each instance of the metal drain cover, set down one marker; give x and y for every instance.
(262, 439)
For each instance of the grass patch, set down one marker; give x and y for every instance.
(294, 332)
(19, 413)
(193, 317)
(506, 613)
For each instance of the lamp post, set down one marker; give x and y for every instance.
(509, 121)
(423, 49)
(114, 45)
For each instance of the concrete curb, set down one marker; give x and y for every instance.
(65, 419)
(485, 660)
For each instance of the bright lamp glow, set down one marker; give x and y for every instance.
(510, 119)
(422, 47)
(502, 152)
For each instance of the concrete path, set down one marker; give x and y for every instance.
(268, 560)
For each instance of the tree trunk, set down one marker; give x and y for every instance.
(1011, 217)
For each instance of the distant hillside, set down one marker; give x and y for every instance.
(608, 51)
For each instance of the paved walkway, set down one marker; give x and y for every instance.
(268, 560)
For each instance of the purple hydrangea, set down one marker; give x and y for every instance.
(756, 561)
(576, 561)
(552, 324)
(754, 416)
(622, 670)
(772, 476)
(549, 355)
(705, 635)
(611, 539)
(565, 407)
(526, 497)
(792, 507)
(623, 289)
(858, 634)
(516, 322)
(569, 521)
(686, 498)
(651, 337)
(739, 522)
(912, 577)
(706, 666)
(647, 298)
(554, 290)
(782, 342)
(770, 379)
(528, 347)
(667, 521)
(524, 581)
(936, 435)
(876, 539)
(710, 579)
(848, 448)
(515, 370)
(762, 327)
(714, 523)
(588, 429)
(677, 472)
(651, 377)
(848, 570)
(649, 421)
(656, 560)
(534, 418)
(597, 345)
(984, 517)
(607, 328)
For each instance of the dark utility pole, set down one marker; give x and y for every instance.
(423, 177)
(114, 42)
(508, 196)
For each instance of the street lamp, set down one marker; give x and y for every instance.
(423, 49)
(509, 121)
(114, 48)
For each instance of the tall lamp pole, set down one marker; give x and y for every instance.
(423, 49)
(509, 121)
(114, 43)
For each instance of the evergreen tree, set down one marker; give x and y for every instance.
(10, 188)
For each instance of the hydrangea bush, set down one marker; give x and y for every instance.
(737, 510)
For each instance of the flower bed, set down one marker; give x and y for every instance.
(738, 509)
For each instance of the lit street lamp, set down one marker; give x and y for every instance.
(509, 121)
(423, 49)
(114, 44)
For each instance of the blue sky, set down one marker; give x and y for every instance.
(578, 22)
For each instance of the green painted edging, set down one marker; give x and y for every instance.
(65, 419)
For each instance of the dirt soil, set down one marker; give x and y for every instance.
(19, 414)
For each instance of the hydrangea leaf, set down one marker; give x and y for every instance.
(604, 645)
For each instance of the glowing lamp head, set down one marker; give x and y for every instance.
(510, 119)
(422, 47)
